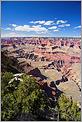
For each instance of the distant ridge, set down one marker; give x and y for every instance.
(43, 37)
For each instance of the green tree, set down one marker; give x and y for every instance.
(25, 100)
(31, 97)
(5, 78)
(28, 100)
(9, 107)
(68, 109)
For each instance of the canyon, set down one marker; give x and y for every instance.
(54, 60)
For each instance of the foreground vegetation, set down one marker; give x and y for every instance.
(25, 100)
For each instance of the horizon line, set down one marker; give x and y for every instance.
(44, 37)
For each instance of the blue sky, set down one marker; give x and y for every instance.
(41, 18)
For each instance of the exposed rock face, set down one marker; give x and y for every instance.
(36, 73)
(50, 49)
(30, 55)
(8, 64)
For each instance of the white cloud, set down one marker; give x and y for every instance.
(13, 25)
(7, 28)
(27, 28)
(67, 24)
(49, 22)
(39, 28)
(38, 22)
(53, 27)
(64, 25)
(22, 28)
(78, 27)
(60, 21)
(56, 30)
(61, 26)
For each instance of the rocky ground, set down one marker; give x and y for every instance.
(70, 87)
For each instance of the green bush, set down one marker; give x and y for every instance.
(27, 98)
(68, 109)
